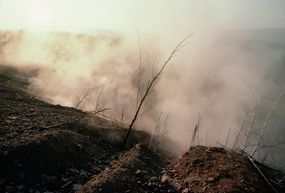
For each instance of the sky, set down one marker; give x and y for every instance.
(148, 16)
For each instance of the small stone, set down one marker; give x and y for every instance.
(164, 178)
(96, 168)
(185, 190)
(82, 174)
(164, 172)
(73, 171)
(76, 187)
(79, 146)
(64, 179)
(210, 179)
(138, 172)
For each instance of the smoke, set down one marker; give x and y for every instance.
(217, 77)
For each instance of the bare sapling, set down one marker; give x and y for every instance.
(163, 133)
(195, 132)
(228, 136)
(264, 126)
(98, 99)
(85, 95)
(150, 84)
(154, 131)
(240, 130)
(251, 123)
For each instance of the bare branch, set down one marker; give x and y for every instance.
(150, 85)
(241, 128)
(88, 92)
(251, 122)
(194, 136)
(228, 136)
(98, 98)
(260, 172)
(265, 122)
(154, 131)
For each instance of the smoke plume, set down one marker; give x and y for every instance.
(217, 78)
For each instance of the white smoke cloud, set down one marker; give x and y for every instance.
(214, 76)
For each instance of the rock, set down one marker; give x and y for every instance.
(210, 179)
(76, 187)
(141, 172)
(82, 174)
(97, 169)
(138, 172)
(164, 178)
(79, 146)
(185, 190)
(63, 179)
(73, 171)
(164, 172)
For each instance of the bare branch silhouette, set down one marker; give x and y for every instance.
(150, 85)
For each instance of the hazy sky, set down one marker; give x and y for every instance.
(152, 16)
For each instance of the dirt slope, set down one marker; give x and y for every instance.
(138, 170)
(40, 148)
(50, 148)
(216, 170)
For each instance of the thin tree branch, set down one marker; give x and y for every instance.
(150, 84)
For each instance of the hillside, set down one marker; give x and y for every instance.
(51, 148)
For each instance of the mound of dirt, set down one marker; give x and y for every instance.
(138, 170)
(216, 170)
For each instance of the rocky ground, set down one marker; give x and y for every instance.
(51, 148)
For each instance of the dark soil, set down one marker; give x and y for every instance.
(46, 147)
(137, 170)
(217, 170)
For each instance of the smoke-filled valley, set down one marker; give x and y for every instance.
(219, 79)
(142, 96)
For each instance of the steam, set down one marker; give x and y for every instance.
(216, 76)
